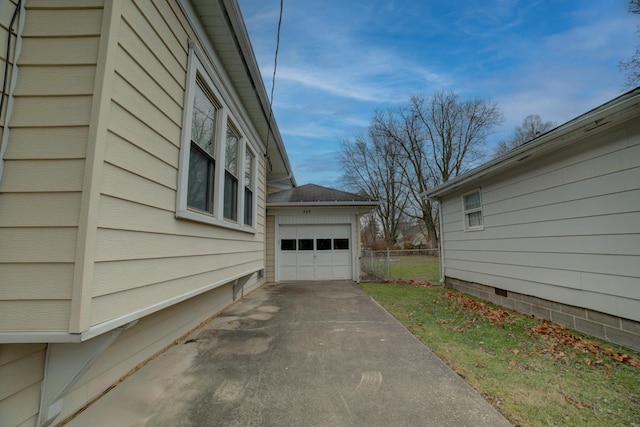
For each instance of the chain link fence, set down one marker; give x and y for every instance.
(412, 264)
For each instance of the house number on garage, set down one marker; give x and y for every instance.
(306, 211)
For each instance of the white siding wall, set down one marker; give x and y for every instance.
(40, 194)
(564, 228)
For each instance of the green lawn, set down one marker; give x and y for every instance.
(409, 267)
(533, 378)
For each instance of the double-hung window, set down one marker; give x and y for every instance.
(231, 175)
(472, 209)
(216, 171)
(202, 151)
(249, 160)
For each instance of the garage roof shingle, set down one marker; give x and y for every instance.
(316, 194)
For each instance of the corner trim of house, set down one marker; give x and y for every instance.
(618, 330)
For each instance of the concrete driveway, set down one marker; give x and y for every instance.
(296, 354)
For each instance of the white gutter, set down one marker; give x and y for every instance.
(441, 242)
(325, 203)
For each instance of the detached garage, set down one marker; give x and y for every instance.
(313, 233)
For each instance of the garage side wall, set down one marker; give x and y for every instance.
(563, 228)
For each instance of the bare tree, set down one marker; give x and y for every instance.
(532, 127)
(372, 165)
(369, 229)
(441, 137)
(632, 65)
(404, 128)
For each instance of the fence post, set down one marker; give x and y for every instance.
(388, 266)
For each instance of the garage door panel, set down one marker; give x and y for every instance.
(324, 273)
(305, 259)
(288, 259)
(289, 273)
(342, 272)
(329, 254)
(305, 272)
(324, 258)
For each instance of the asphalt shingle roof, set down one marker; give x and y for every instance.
(311, 193)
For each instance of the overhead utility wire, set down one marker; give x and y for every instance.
(273, 83)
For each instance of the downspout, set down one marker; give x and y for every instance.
(440, 236)
(12, 85)
(441, 242)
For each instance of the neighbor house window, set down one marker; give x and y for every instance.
(472, 208)
(216, 171)
(231, 175)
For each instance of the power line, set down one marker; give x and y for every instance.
(273, 81)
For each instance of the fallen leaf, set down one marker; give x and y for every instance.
(512, 364)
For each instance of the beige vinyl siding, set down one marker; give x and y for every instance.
(21, 370)
(40, 193)
(563, 228)
(144, 256)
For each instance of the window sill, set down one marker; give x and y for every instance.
(203, 218)
(477, 228)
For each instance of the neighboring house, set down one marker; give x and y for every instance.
(313, 233)
(413, 237)
(134, 164)
(552, 228)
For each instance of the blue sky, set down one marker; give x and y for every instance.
(340, 61)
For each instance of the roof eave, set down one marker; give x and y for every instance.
(332, 204)
(238, 30)
(604, 116)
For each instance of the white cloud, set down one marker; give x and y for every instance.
(340, 61)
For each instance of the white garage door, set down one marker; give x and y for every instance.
(315, 252)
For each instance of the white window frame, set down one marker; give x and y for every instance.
(247, 149)
(198, 70)
(466, 212)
